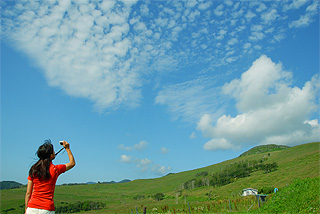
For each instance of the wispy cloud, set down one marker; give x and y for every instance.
(107, 51)
(164, 150)
(160, 170)
(142, 145)
(193, 135)
(189, 100)
(143, 164)
(270, 16)
(295, 4)
(307, 18)
(83, 50)
(125, 159)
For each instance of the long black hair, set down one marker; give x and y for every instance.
(41, 168)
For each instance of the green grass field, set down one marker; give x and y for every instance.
(296, 162)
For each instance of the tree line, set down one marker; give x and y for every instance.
(232, 172)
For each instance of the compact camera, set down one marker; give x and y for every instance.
(61, 143)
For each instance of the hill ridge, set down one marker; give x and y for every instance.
(9, 185)
(264, 148)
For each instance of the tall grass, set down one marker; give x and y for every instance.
(302, 196)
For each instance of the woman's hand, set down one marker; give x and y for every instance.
(66, 145)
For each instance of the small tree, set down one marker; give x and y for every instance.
(269, 167)
(158, 196)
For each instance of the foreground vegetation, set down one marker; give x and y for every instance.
(302, 196)
(296, 167)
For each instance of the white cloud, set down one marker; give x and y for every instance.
(296, 4)
(160, 170)
(191, 3)
(193, 135)
(257, 28)
(269, 16)
(164, 150)
(192, 16)
(237, 14)
(256, 36)
(252, 90)
(221, 34)
(219, 10)
(247, 46)
(232, 41)
(228, 2)
(261, 7)
(139, 146)
(125, 159)
(257, 47)
(106, 5)
(144, 164)
(296, 137)
(129, 3)
(270, 110)
(218, 144)
(307, 18)
(84, 59)
(313, 8)
(106, 52)
(231, 59)
(301, 22)
(250, 15)
(205, 5)
(205, 125)
(123, 147)
(144, 9)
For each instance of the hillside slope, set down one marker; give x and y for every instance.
(295, 162)
(264, 148)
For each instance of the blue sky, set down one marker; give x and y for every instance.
(141, 89)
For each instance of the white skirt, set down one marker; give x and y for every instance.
(38, 211)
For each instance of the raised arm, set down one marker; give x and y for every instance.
(72, 162)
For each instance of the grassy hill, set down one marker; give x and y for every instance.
(9, 185)
(295, 162)
(263, 149)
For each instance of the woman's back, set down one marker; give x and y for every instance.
(43, 190)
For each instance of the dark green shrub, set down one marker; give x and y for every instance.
(158, 196)
(138, 197)
(269, 167)
(79, 206)
(266, 190)
(203, 173)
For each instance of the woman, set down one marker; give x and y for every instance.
(42, 179)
